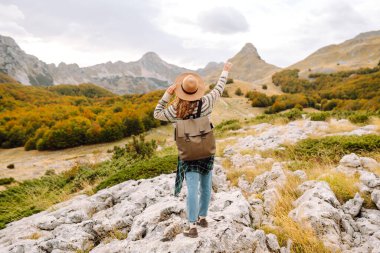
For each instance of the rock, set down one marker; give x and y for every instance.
(219, 178)
(300, 174)
(260, 242)
(370, 179)
(375, 196)
(369, 221)
(353, 206)
(269, 179)
(351, 160)
(369, 163)
(243, 184)
(273, 242)
(317, 208)
(145, 209)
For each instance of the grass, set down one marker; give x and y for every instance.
(141, 169)
(303, 238)
(330, 148)
(225, 126)
(233, 174)
(221, 145)
(343, 186)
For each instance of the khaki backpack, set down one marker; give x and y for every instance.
(194, 137)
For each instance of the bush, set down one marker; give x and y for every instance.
(319, 116)
(136, 149)
(142, 169)
(332, 148)
(225, 125)
(259, 99)
(293, 114)
(264, 87)
(359, 117)
(6, 180)
(238, 92)
(229, 80)
(299, 107)
(225, 94)
(11, 166)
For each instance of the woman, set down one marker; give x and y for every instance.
(189, 89)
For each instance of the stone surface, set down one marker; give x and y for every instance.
(375, 196)
(149, 213)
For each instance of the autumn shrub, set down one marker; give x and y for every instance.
(238, 92)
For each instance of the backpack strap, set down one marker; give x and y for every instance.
(199, 108)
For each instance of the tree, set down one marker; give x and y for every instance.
(238, 92)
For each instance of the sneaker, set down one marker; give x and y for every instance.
(190, 232)
(202, 222)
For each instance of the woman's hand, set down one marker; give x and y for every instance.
(171, 89)
(227, 66)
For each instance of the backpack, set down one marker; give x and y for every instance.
(194, 137)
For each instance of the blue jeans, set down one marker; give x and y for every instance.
(197, 183)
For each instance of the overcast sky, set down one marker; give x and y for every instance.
(185, 33)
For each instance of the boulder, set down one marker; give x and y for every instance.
(375, 196)
(353, 206)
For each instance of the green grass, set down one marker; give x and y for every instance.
(330, 148)
(227, 125)
(141, 169)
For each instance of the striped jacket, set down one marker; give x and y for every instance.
(208, 102)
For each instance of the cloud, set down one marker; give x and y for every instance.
(188, 34)
(223, 20)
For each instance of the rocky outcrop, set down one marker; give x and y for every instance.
(23, 67)
(347, 227)
(147, 214)
(272, 136)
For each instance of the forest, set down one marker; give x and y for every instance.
(62, 116)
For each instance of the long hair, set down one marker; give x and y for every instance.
(184, 107)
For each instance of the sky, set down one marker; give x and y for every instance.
(186, 33)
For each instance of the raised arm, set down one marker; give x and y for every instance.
(219, 87)
(163, 113)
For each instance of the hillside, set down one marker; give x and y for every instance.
(359, 52)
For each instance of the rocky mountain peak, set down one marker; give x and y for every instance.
(249, 49)
(8, 41)
(150, 57)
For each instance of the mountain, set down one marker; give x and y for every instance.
(248, 66)
(147, 74)
(361, 51)
(23, 67)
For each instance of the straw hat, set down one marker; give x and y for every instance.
(189, 86)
